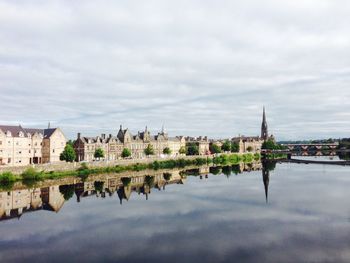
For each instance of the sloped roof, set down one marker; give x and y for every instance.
(15, 130)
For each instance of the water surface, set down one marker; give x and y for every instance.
(221, 218)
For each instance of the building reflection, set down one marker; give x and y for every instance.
(14, 203)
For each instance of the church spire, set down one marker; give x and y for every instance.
(264, 128)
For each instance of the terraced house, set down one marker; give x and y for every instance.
(113, 146)
(23, 146)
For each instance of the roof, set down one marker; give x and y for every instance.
(15, 130)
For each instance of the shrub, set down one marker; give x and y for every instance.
(7, 180)
(32, 174)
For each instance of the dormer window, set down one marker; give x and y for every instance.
(21, 134)
(8, 134)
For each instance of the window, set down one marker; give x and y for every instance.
(53, 151)
(0, 142)
(9, 160)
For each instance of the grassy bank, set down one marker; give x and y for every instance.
(31, 175)
(276, 156)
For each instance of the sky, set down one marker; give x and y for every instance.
(199, 67)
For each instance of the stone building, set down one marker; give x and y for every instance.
(202, 142)
(22, 146)
(113, 146)
(248, 144)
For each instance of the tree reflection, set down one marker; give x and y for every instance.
(67, 191)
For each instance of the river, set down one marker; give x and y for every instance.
(281, 213)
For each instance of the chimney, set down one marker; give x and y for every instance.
(79, 135)
(110, 135)
(103, 136)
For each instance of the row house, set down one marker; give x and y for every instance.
(23, 146)
(113, 146)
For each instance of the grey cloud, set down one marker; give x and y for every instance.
(193, 65)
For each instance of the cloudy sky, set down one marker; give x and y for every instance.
(200, 67)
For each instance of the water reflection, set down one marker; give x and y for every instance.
(14, 203)
(208, 218)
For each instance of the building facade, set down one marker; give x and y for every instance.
(113, 146)
(22, 146)
(202, 142)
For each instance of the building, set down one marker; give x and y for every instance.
(202, 142)
(113, 146)
(248, 144)
(23, 146)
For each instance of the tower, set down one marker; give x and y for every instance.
(264, 129)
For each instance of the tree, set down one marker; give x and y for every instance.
(126, 153)
(167, 150)
(271, 145)
(192, 149)
(226, 146)
(249, 148)
(99, 153)
(214, 148)
(149, 150)
(235, 147)
(68, 154)
(182, 150)
(71, 142)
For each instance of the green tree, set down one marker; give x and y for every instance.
(149, 150)
(182, 150)
(235, 147)
(126, 153)
(226, 146)
(68, 154)
(214, 148)
(99, 153)
(271, 145)
(71, 142)
(249, 148)
(192, 149)
(167, 150)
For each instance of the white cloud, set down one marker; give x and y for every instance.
(200, 67)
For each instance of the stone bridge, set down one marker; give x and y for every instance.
(309, 146)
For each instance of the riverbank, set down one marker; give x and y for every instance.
(83, 170)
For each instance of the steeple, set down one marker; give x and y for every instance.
(264, 128)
